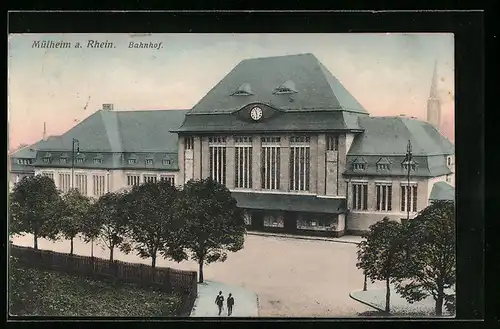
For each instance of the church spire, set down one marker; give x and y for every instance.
(434, 84)
(434, 103)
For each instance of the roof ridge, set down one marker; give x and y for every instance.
(279, 56)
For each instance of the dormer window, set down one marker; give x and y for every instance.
(448, 160)
(47, 158)
(97, 160)
(63, 159)
(412, 165)
(80, 158)
(383, 164)
(243, 90)
(166, 162)
(132, 159)
(149, 161)
(359, 164)
(286, 88)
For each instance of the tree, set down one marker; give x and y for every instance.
(152, 221)
(34, 205)
(430, 259)
(107, 222)
(74, 213)
(380, 255)
(213, 222)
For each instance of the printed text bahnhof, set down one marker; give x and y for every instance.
(92, 44)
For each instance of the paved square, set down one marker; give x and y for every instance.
(291, 277)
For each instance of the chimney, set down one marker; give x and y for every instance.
(107, 107)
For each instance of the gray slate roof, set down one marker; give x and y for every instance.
(285, 122)
(305, 203)
(115, 136)
(442, 191)
(390, 135)
(317, 89)
(122, 131)
(432, 166)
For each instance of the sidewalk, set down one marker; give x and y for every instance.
(375, 298)
(353, 239)
(245, 302)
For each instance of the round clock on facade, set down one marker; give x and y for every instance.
(256, 113)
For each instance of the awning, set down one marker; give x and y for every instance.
(289, 202)
(442, 191)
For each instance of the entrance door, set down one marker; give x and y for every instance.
(257, 221)
(290, 221)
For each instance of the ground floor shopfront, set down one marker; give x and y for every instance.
(293, 214)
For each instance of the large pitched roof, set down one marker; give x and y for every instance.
(122, 131)
(390, 135)
(316, 88)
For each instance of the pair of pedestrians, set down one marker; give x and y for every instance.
(219, 300)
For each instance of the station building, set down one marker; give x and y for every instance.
(294, 147)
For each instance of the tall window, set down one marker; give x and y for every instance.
(243, 162)
(133, 179)
(299, 163)
(409, 197)
(150, 178)
(188, 143)
(270, 163)
(217, 150)
(48, 174)
(99, 185)
(332, 142)
(64, 182)
(384, 197)
(81, 183)
(169, 178)
(359, 196)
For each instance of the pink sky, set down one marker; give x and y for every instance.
(389, 74)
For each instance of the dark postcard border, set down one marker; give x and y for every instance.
(469, 116)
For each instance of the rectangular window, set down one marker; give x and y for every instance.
(46, 160)
(99, 185)
(360, 196)
(63, 160)
(48, 174)
(97, 161)
(189, 143)
(166, 162)
(217, 154)
(79, 160)
(133, 179)
(243, 162)
(150, 178)
(384, 197)
(270, 163)
(169, 178)
(131, 161)
(409, 198)
(300, 163)
(81, 183)
(332, 142)
(149, 161)
(64, 182)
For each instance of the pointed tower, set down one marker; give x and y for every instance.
(434, 103)
(44, 131)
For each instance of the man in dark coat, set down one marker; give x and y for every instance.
(230, 303)
(219, 300)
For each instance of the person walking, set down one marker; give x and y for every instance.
(230, 303)
(219, 300)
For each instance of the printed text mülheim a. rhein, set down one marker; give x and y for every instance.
(46, 44)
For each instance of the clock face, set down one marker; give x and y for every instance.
(256, 113)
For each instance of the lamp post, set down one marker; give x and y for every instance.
(75, 147)
(408, 163)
